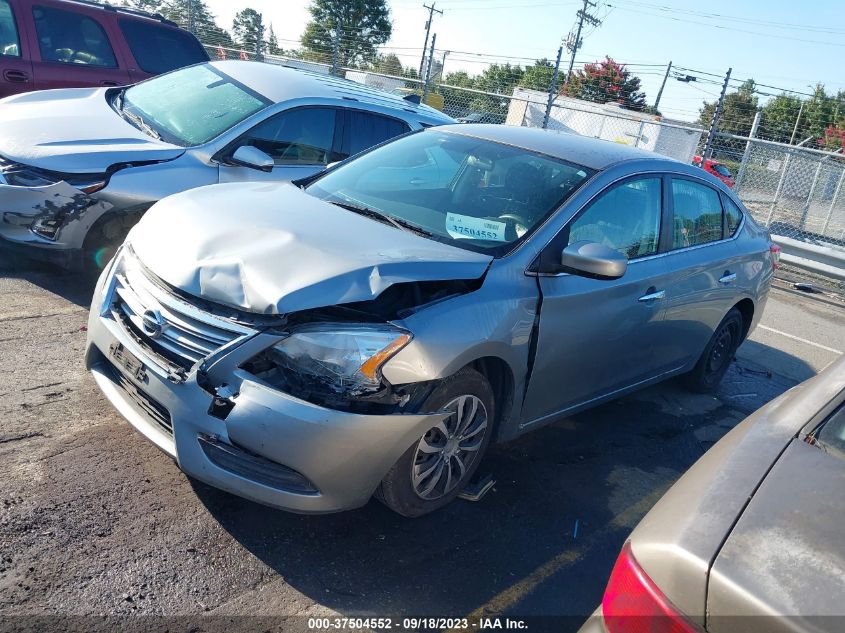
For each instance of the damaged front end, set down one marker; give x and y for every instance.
(289, 410)
(44, 202)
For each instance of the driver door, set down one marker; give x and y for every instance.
(597, 336)
(300, 141)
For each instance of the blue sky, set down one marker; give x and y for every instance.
(782, 43)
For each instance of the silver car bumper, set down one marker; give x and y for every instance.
(270, 447)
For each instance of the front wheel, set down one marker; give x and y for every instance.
(438, 466)
(717, 356)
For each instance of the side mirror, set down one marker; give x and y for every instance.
(254, 158)
(594, 260)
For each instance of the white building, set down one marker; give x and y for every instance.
(607, 121)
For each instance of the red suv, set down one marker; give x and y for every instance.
(75, 43)
(713, 167)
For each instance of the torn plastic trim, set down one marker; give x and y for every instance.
(47, 201)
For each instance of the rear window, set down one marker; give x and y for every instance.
(733, 216)
(158, 49)
(722, 170)
(365, 129)
(67, 37)
(9, 42)
(697, 214)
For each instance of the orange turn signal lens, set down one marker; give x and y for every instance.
(372, 365)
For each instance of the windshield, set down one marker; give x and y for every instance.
(190, 106)
(464, 191)
(722, 170)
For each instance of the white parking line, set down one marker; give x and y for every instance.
(799, 339)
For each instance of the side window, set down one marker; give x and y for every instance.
(625, 217)
(698, 214)
(298, 137)
(365, 129)
(733, 216)
(10, 43)
(72, 38)
(159, 50)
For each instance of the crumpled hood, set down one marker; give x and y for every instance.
(274, 249)
(74, 131)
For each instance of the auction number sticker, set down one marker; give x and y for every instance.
(470, 228)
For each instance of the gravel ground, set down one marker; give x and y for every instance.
(95, 521)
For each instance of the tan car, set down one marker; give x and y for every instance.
(750, 539)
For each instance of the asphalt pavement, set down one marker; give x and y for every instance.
(95, 520)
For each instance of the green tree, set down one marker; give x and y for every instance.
(737, 112)
(388, 65)
(539, 76)
(606, 81)
(271, 44)
(193, 15)
(248, 30)
(359, 26)
(778, 118)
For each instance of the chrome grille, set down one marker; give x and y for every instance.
(187, 333)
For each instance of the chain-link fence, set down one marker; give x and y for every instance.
(797, 193)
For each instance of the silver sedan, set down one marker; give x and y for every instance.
(79, 167)
(374, 328)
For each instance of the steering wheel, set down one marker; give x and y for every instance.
(513, 217)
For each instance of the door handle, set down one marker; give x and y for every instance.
(727, 278)
(108, 83)
(416, 181)
(16, 76)
(653, 294)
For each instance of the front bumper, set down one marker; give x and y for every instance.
(73, 211)
(310, 459)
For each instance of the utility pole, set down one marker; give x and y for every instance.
(662, 86)
(574, 44)
(338, 33)
(552, 89)
(717, 112)
(191, 27)
(797, 119)
(443, 68)
(431, 12)
(428, 70)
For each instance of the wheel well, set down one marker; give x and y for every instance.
(746, 308)
(120, 220)
(501, 380)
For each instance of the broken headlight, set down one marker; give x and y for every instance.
(19, 175)
(330, 361)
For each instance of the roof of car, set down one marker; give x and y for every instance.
(279, 83)
(590, 152)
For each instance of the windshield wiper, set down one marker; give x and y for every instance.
(138, 121)
(380, 215)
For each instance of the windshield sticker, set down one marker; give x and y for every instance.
(469, 228)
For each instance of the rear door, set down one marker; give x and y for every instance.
(704, 265)
(73, 48)
(15, 63)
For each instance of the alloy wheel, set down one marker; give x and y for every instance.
(448, 450)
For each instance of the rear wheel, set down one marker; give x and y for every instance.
(717, 356)
(438, 466)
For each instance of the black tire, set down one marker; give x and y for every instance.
(397, 490)
(717, 356)
(104, 239)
